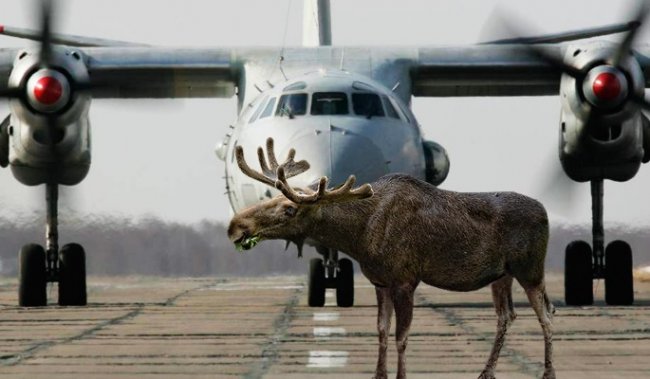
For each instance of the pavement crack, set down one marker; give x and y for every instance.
(16, 358)
(527, 366)
(280, 326)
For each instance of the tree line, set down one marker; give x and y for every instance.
(150, 246)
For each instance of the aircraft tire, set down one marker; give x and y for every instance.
(316, 297)
(619, 281)
(32, 281)
(72, 275)
(345, 284)
(578, 274)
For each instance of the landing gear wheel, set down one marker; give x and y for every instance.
(578, 274)
(33, 280)
(345, 284)
(619, 283)
(72, 275)
(316, 296)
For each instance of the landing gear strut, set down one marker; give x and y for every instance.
(39, 266)
(331, 272)
(583, 263)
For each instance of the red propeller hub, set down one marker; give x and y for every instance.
(606, 86)
(48, 90)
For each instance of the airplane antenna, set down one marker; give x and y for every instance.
(396, 86)
(281, 69)
(342, 59)
(284, 40)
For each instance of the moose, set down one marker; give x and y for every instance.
(404, 231)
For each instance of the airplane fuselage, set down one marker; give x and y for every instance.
(341, 122)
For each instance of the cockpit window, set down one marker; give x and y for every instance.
(269, 108)
(390, 109)
(367, 104)
(295, 86)
(404, 113)
(259, 109)
(329, 103)
(292, 105)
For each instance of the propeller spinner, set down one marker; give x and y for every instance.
(48, 91)
(605, 87)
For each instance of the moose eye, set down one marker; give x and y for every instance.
(290, 211)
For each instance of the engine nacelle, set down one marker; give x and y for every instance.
(437, 162)
(601, 129)
(49, 122)
(577, 94)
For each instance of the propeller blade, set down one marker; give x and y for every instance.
(566, 36)
(626, 44)
(531, 43)
(558, 192)
(4, 141)
(10, 93)
(555, 61)
(641, 101)
(46, 33)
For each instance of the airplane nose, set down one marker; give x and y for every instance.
(337, 154)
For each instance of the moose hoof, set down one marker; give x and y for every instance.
(380, 376)
(487, 375)
(549, 373)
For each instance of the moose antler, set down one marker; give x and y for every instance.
(276, 175)
(269, 171)
(322, 195)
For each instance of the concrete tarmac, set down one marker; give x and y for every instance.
(262, 328)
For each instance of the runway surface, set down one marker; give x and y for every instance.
(262, 328)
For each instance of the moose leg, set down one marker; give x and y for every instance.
(385, 311)
(543, 309)
(403, 302)
(502, 297)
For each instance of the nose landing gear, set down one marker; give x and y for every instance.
(38, 266)
(331, 272)
(583, 264)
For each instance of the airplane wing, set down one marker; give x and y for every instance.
(161, 72)
(483, 70)
(474, 70)
(148, 72)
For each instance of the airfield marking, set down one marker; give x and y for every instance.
(327, 359)
(326, 316)
(325, 332)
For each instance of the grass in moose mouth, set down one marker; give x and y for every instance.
(247, 243)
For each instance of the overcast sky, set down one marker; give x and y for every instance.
(155, 158)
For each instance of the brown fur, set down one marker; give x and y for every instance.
(410, 232)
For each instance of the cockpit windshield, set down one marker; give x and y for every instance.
(292, 105)
(329, 103)
(367, 104)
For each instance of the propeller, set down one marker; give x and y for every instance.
(47, 91)
(605, 88)
(605, 85)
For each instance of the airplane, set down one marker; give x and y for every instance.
(341, 105)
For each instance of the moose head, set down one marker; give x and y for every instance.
(293, 214)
